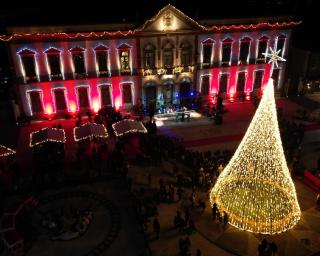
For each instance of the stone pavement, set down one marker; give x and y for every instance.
(211, 237)
(113, 231)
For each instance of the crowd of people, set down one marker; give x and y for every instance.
(155, 149)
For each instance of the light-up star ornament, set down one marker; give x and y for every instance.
(274, 57)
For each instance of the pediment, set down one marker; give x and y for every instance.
(170, 19)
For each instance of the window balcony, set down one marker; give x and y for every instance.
(105, 73)
(55, 77)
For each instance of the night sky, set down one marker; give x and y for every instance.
(80, 12)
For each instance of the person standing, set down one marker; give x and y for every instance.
(273, 249)
(156, 227)
(198, 253)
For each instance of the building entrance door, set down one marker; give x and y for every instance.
(185, 89)
(151, 94)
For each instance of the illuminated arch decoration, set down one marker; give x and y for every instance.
(255, 189)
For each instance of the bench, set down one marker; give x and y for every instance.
(312, 181)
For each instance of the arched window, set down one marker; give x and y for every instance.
(78, 61)
(53, 58)
(262, 48)
(168, 55)
(101, 52)
(281, 43)
(186, 51)
(244, 50)
(149, 56)
(226, 52)
(28, 63)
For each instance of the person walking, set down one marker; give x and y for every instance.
(156, 227)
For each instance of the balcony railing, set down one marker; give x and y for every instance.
(168, 71)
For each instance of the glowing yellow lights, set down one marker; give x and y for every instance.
(4, 151)
(47, 134)
(90, 130)
(255, 189)
(128, 126)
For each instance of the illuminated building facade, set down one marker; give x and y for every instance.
(170, 58)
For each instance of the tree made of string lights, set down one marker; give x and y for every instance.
(255, 189)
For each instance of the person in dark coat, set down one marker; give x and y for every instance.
(156, 227)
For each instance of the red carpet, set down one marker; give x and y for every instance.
(214, 140)
(230, 138)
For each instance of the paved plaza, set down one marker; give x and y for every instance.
(114, 229)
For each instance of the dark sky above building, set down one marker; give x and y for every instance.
(84, 12)
(137, 11)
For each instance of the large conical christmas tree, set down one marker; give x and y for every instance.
(255, 189)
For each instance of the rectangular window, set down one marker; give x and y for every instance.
(226, 54)
(207, 52)
(105, 95)
(78, 61)
(126, 93)
(280, 46)
(223, 83)
(149, 59)
(83, 97)
(168, 58)
(262, 48)
(185, 57)
(29, 66)
(244, 52)
(36, 102)
(102, 59)
(60, 99)
(124, 61)
(241, 82)
(205, 85)
(258, 79)
(54, 64)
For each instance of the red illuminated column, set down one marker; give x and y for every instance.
(71, 96)
(214, 85)
(95, 102)
(232, 82)
(47, 99)
(267, 75)
(116, 93)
